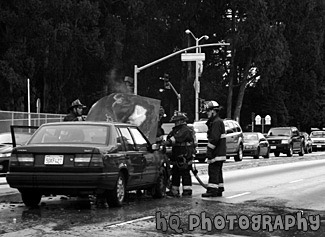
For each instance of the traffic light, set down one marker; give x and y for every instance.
(165, 78)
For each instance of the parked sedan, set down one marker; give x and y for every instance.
(6, 147)
(256, 145)
(87, 158)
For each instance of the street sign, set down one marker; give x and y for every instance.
(268, 120)
(193, 57)
(258, 120)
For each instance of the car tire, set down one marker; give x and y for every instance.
(239, 156)
(267, 155)
(302, 151)
(115, 197)
(290, 152)
(276, 154)
(257, 156)
(31, 198)
(159, 189)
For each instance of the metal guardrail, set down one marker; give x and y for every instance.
(8, 118)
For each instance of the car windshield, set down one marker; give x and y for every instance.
(279, 132)
(21, 138)
(318, 134)
(200, 127)
(250, 137)
(63, 134)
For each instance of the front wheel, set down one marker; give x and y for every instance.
(31, 198)
(159, 189)
(290, 152)
(115, 197)
(239, 156)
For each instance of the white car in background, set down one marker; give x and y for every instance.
(318, 140)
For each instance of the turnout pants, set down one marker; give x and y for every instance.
(216, 175)
(184, 174)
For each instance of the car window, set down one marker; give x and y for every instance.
(70, 134)
(119, 141)
(21, 138)
(200, 127)
(250, 137)
(317, 134)
(140, 142)
(279, 132)
(127, 139)
(228, 127)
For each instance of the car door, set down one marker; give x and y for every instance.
(134, 158)
(149, 161)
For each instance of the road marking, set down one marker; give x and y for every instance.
(132, 221)
(238, 195)
(295, 181)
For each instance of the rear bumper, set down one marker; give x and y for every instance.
(62, 181)
(249, 152)
(283, 148)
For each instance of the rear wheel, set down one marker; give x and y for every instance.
(116, 196)
(159, 189)
(239, 156)
(267, 155)
(257, 153)
(31, 198)
(290, 152)
(302, 151)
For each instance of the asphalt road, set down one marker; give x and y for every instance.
(276, 186)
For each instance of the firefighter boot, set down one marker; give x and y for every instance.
(187, 193)
(174, 192)
(213, 192)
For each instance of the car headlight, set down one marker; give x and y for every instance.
(5, 154)
(285, 142)
(248, 147)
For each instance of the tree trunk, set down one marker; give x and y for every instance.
(45, 83)
(242, 88)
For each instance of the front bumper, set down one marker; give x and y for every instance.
(250, 152)
(64, 183)
(283, 148)
(318, 146)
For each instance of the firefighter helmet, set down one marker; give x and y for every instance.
(76, 103)
(178, 116)
(212, 105)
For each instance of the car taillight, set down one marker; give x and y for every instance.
(97, 160)
(81, 160)
(22, 160)
(94, 160)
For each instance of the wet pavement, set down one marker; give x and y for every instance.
(144, 216)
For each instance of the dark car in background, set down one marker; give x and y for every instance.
(6, 145)
(308, 143)
(87, 158)
(286, 140)
(234, 139)
(256, 145)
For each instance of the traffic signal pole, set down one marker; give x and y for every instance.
(138, 69)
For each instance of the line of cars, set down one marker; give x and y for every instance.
(279, 140)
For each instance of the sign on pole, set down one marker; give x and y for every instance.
(258, 120)
(192, 57)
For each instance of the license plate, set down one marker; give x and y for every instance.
(273, 147)
(319, 146)
(53, 160)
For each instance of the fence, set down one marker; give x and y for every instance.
(8, 118)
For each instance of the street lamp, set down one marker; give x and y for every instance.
(197, 85)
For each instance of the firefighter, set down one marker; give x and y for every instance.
(216, 150)
(75, 111)
(182, 141)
